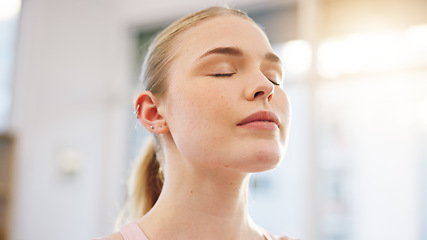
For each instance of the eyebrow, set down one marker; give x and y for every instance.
(273, 58)
(234, 51)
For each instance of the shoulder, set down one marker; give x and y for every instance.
(114, 236)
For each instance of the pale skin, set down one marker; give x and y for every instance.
(223, 72)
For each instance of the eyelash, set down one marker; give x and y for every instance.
(223, 75)
(275, 83)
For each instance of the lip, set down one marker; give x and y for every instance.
(261, 119)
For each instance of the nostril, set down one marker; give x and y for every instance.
(270, 97)
(259, 93)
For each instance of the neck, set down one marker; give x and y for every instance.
(201, 203)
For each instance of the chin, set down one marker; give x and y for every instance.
(263, 160)
(265, 163)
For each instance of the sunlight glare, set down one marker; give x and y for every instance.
(9, 9)
(297, 57)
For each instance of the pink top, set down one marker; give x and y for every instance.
(132, 231)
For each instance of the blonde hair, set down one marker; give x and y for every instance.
(147, 179)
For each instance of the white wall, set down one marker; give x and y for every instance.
(71, 86)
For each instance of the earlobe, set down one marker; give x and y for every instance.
(146, 110)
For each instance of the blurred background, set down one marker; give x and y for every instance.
(356, 74)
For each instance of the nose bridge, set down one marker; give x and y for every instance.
(260, 86)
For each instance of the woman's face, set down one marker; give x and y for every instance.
(224, 96)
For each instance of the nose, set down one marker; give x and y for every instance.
(260, 88)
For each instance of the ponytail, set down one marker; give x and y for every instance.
(145, 185)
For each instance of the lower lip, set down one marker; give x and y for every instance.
(260, 125)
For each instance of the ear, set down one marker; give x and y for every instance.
(146, 109)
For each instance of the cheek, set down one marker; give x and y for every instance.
(282, 107)
(198, 107)
(196, 116)
(199, 126)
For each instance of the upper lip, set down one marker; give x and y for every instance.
(265, 116)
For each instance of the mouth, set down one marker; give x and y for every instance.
(262, 120)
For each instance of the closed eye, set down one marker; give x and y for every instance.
(273, 82)
(273, 77)
(222, 74)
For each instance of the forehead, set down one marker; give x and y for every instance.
(222, 31)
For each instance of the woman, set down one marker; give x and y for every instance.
(214, 104)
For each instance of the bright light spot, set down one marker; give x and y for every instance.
(377, 51)
(9, 9)
(296, 56)
(416, 36)
(373, 52)
(330, 55)
(416, 42)
(422, 115)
